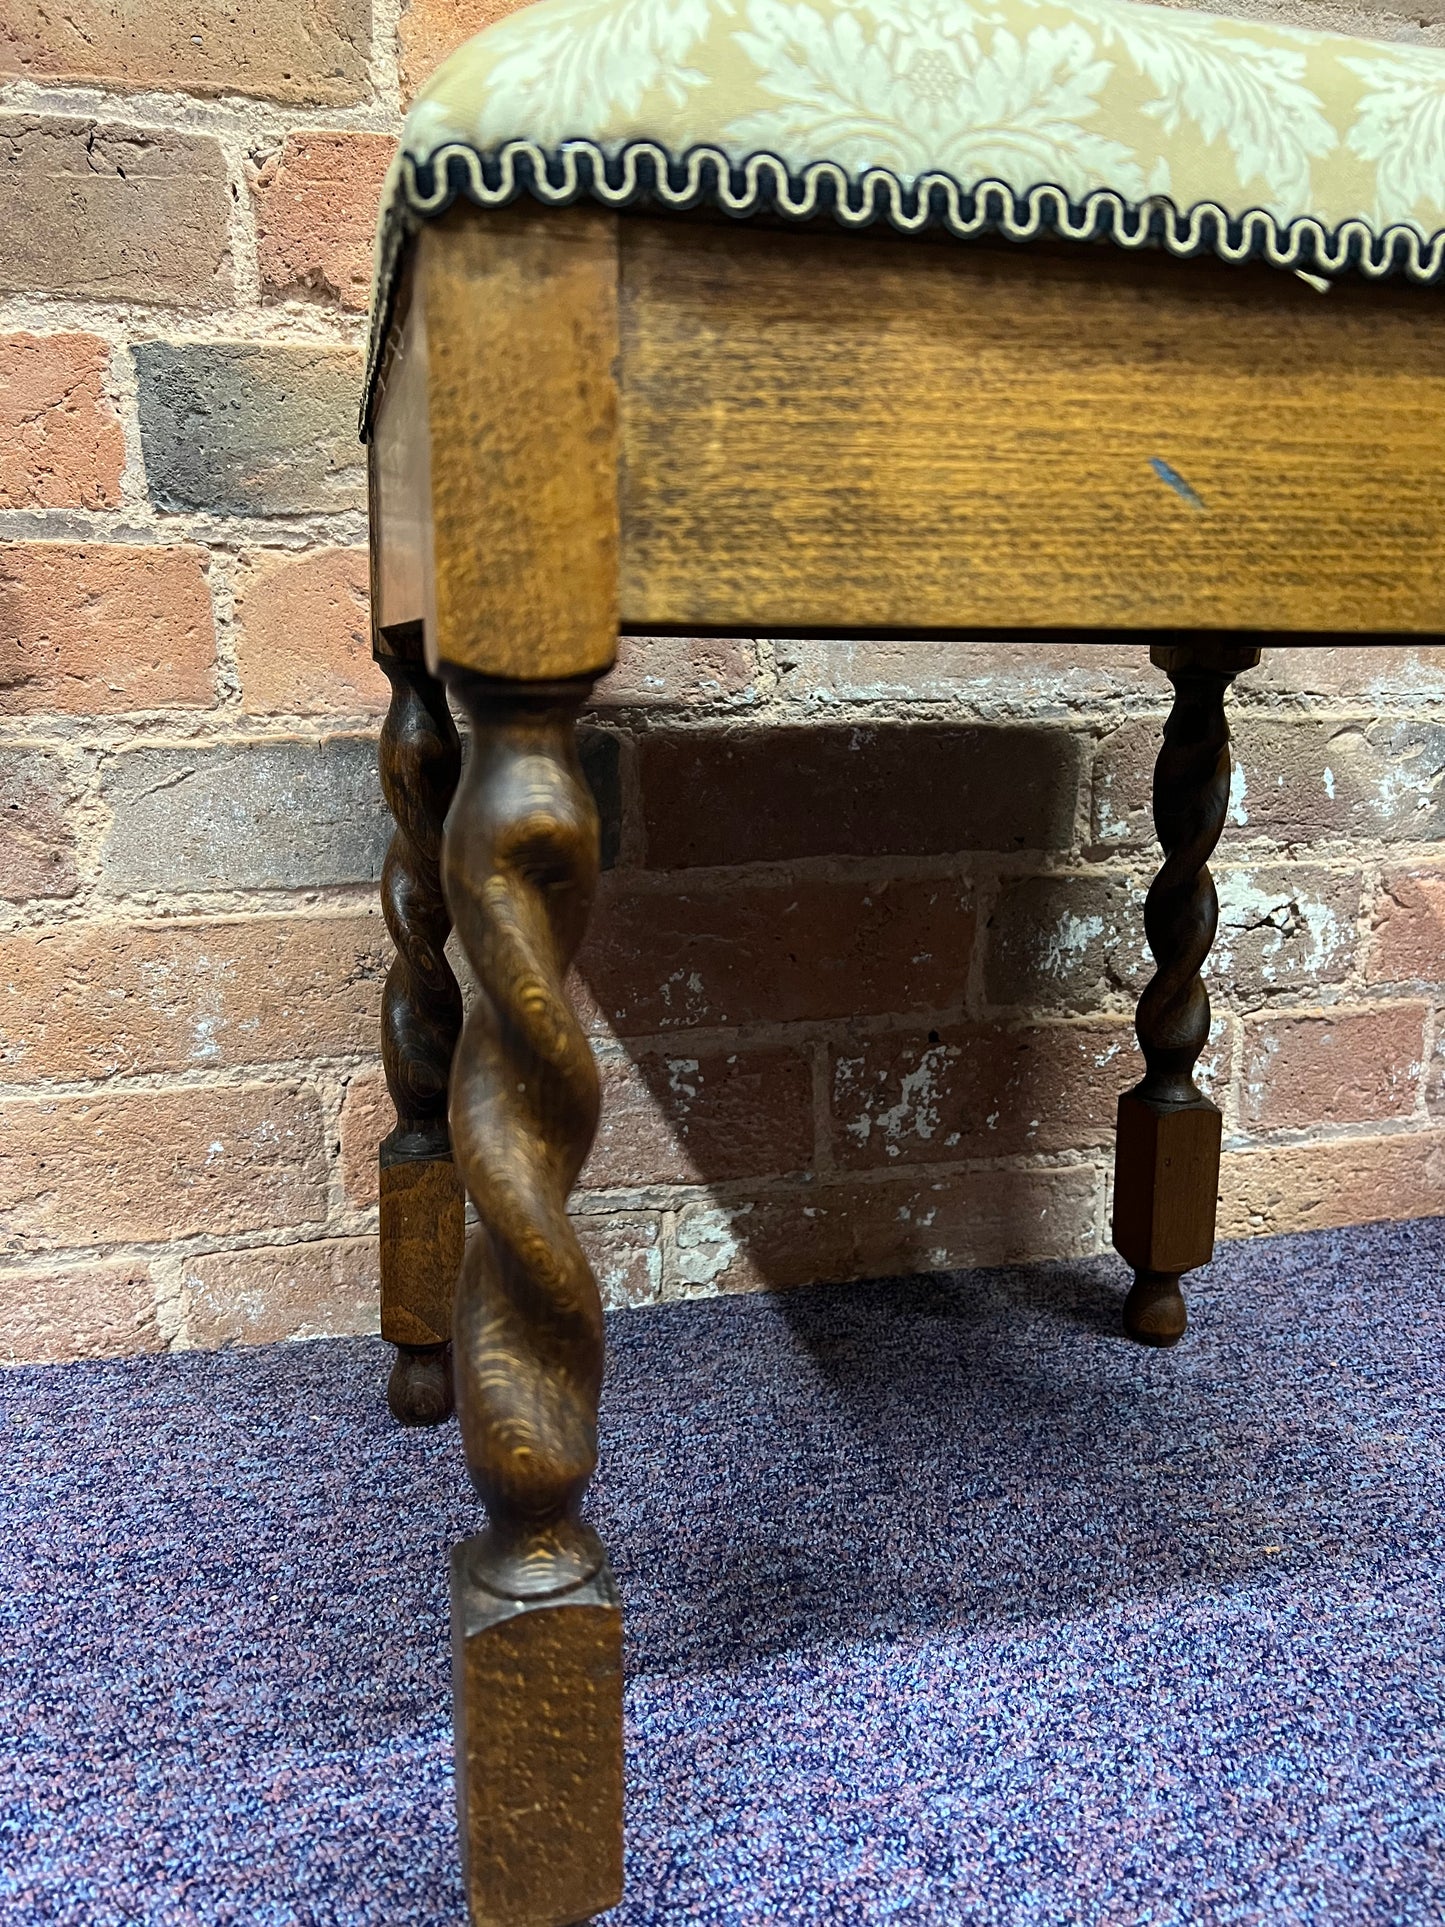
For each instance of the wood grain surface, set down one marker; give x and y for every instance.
(843, 432)
(521, 330)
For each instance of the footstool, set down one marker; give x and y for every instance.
(710, 316)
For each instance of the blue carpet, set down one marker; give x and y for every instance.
(944, 1604)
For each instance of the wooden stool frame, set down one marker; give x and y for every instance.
(591, 423)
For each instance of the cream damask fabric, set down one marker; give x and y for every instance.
(1083, 117)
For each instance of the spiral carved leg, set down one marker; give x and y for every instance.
(421, 1196)
(1166, 1173)
(536, 1621)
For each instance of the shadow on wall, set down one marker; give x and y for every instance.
(842, 1032)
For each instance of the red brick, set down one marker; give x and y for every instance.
(431, 29)
(669, 1118)
(57, 1312)
(84, 1000)
(303, 646)
(87, 629)
(367, 1116)
(986, 678)
(327, 1289)
(1333, 1067)
(113, 213)
(1334, 1181)
(757, 796)
(625, 1252)
(1374, 675)
(286, 50)
(1297, 780)
(683, 671)
(835, 1232)
(766, 951)
(665, 1119)
(61, 445)
(37, 837)
(316, 205)
(986, 1091)
(158, 1165)
(1409, 929)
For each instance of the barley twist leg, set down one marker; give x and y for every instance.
(1167, 1170)
(536, 1620)
(421, 1201)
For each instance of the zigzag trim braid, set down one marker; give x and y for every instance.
(520, 864)
(762, 182)
(1181, 911)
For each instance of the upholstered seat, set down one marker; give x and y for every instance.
(1081, 117)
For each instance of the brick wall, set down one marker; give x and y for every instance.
(862, 971)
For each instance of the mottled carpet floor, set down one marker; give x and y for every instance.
(944, 1604)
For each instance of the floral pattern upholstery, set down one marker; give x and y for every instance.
(1148, 124)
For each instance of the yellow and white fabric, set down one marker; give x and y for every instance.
(1148, 124)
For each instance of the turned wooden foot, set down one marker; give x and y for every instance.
(536, 1621)
(1166, 1169)
(420, 1191)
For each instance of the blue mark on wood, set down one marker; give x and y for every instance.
(1176, 481)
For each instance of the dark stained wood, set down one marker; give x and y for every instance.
(1166, 1173)
(537, 1685)
(538, 1720)
(421, 1015)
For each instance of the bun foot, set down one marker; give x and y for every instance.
(419, 1390)
(1154, 1311)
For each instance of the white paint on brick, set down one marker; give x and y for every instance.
(706, 1244)
(1068, 941)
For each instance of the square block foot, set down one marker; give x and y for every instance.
(538, 1717)
(423, 1230)
(1166, 1184)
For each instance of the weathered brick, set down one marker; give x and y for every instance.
(244, 428)
(157, 1165)
(285, 50)
(245, 816)
(830, 1233)
(1334, 1181)
(61, 445)
(316, 203)
(670, 1118)
(768, 795)
(988, 1090)
(54, 1312)
(1284, 927)
(750, 951)
(326, 1289)
(261, 816)
(113, 213)
(984, 678)
(37, 836)
(1065, 941)
(304, 635)
(88, 628)
(82, 1000)
(431, 29)
(1070, 941)
(1333, 1067)
(1300, 780)
(625, 1252)
(1376, 675)
(1409, 928)
(367, 1117)
(689, 672)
